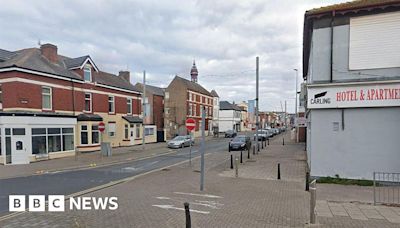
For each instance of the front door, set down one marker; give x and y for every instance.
(19, 153)
(132, 134)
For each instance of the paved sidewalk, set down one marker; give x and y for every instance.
(87, 160)
(254, 199)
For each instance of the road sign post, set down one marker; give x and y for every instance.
(101, 127)
(190, 125)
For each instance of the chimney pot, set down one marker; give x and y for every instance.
(49, 51)
(125, 74)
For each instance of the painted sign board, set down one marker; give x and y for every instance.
(353, 96)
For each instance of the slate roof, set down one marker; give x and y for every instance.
(225, 105)
(214, 93)
(75, 62)
(5, 55)
(133, 119)
(192, 86)
(151, 89)
(32, 59)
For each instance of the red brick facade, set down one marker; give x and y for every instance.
(24, 91)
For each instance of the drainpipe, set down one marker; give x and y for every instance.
(73, 97)
(331, 63)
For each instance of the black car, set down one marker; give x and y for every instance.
(240, 142)
(230, 134)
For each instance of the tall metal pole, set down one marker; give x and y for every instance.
(203, 138)
(295, 108)
(257, 122)
(144, 108)
(285, 116)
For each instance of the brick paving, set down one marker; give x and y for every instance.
(255, 199)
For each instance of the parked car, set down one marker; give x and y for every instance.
(240, 142)
(180, 142)
(230, 134)
(262, 135)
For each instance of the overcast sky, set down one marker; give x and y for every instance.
(163, 38)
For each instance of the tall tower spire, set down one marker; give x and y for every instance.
(194, 73)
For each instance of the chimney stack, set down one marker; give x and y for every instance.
(125, 74)
(49, 51)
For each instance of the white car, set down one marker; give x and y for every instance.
(180, 142)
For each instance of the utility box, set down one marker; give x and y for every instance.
(106, 149)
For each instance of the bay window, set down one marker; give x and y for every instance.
(95, 134)
(84, 135)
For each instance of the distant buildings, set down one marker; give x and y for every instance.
(185, 99)
(229, 117)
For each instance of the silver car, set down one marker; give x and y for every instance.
(180, 142)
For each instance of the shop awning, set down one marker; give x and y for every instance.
(89, 117)
(133, 119)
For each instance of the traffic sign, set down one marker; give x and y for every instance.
(190, 124)
(101, 127)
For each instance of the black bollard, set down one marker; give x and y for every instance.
(258, 147)
(283, 141)
(248, 153)
(307, 181)
(231, 161)
(268, 141)
(241, 156)
(254, 149)
(262, 144)
(187, 213)
(229, 148)
(279, 171)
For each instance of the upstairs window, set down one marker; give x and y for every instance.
(46, 98)
(111, 104)
(88, 102)
(129, 105)
(87, 73)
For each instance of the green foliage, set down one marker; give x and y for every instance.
(344, 181)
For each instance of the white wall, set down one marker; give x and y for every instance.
(369, 142)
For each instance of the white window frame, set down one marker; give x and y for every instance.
(87, 68)
(114, 130)
(129, 105)
(94, 131)
(90, 102)
(47, 94)
(87, 132)
(1, 99)
(113, 104)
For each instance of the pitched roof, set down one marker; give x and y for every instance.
(5, 55)
(214, 93)
(149, 88)
(32, 59)
(105, 78)
(225, 105)
(192, 86)
(351, 5)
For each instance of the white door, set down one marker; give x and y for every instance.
(132, 134)
(19, 153)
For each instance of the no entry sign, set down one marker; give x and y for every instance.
(101, 127)
(190, 124)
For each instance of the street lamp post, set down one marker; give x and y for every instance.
(295, 107)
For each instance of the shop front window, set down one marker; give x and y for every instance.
(47, 140)
(68, 139)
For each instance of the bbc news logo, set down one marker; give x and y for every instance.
(37, 203)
